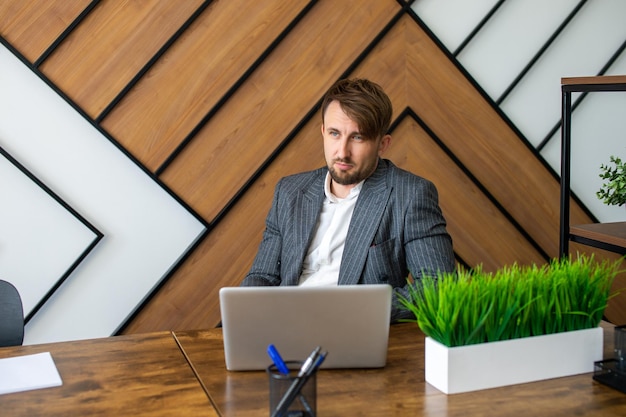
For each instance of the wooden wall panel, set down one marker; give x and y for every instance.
(481, 233)
(110, 46)
(487, 245)
(33, 26)
(194, 75)
(219, 121)
(485, 144)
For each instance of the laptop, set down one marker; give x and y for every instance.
(350, 322)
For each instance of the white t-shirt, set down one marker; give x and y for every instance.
(322, 261)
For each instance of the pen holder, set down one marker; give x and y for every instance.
(304, 404)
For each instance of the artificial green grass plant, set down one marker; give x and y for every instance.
(470, 307)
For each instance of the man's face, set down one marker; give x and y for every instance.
(350, 156)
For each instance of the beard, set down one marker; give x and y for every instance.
(353, 177)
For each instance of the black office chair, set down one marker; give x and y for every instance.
(11, 316)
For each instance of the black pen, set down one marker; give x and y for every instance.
(283, 369)
(308, 367)
(309, 363)
(301, 397)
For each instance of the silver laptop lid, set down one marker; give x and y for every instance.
(351, 322)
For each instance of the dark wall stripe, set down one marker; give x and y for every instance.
(478, 28)
(153, 61)
(483, 93)
(296, 130)
(603, 71)
(179, 262)
(194, 132)
(66, 33)
(102, 131)
(540, 52)
(410, 113)
(97, 233)
(368, 49)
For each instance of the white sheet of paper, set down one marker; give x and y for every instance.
(23, 373)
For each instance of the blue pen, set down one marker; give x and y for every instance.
(308, 368)
(320, 359)
(277, 359)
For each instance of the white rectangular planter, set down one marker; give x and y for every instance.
(489, 365)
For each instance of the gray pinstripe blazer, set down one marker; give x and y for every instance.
(397, 227)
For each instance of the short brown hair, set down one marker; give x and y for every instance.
(363, 101)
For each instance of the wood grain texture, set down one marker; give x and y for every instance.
(441, 96)
(611, 233)
(210, 181)
(399, 389)
(599, 80)
(32, 26)
(221, 264)
(191, 79)
(616, 310)
(483, 142)
(110, 46)
(139, 375)
(471, 216)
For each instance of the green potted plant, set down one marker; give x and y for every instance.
(516, 325)
(613, 190)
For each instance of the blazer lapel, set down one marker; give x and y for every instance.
(305, 219)
(367, 214)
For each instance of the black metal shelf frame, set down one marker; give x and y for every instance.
(566, 151)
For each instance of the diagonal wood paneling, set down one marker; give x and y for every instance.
(110, 46)
(498, 242)
(242, 119)
(32, 26)
(481, 139)
(194, 75)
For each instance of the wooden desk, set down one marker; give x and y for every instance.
(399, 389)
(125, 375)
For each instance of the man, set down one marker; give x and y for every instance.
(361, 219)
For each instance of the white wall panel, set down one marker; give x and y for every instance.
(145, 230)
(32, 255)
(583, 49)
(510, 40)
(452, 20)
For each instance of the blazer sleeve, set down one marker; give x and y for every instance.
(265, 270)
(427, 244)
